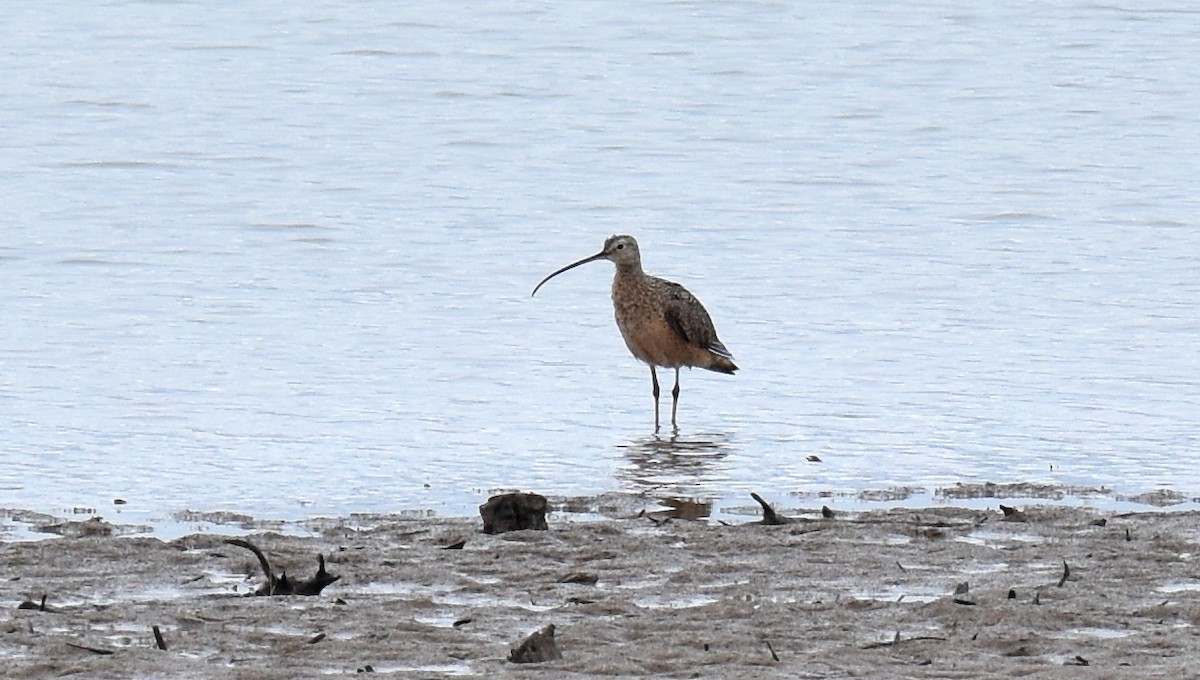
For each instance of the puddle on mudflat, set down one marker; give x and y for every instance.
(901, 593)
(450, 669)
(1095, 633)
(400, 588)
(482, 600)
(1179, 588)
(678, 602)
(996, 539)
(439, 620)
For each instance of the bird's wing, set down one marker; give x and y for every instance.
(688, 318)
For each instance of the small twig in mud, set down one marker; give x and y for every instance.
(93, 650)
(770, 517)
(1077, 661)
(772, 650)
(158, 638)
(316, 638)
(1066, 573)
(281, 585)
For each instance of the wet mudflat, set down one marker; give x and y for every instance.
(1063, 592)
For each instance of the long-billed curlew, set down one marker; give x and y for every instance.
(662, 323)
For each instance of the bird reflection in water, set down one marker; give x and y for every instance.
(682, 473)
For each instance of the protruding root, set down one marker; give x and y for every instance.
(770, 517)
(281, 584)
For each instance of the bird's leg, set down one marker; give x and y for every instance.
(675, 400)
(654, 380)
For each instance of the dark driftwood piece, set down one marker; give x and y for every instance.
(281, 584)
(30, 604)
(513, 512)
(538, 647)
(770, 517)
(1012, 514)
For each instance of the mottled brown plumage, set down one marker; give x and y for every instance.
(662, 323)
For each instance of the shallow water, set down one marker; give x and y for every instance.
(276, 259)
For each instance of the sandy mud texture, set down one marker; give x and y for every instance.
(1049, 592)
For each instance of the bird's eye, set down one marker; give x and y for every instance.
(620, 246)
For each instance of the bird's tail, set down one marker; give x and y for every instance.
(720, 359)
(721, 364)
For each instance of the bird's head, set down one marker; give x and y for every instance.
(621, 250)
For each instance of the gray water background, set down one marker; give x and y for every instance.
(275, 258)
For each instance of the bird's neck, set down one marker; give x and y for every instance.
(627, 279)
(630, 270)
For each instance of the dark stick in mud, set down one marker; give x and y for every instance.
(158, 638)
(1066, 574)
(94, 650)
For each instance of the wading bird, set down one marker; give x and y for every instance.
(662, 323)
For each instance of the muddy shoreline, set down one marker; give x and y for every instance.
(941, 592)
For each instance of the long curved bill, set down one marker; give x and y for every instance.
(598, 256)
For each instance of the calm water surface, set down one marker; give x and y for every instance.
(276, 258)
